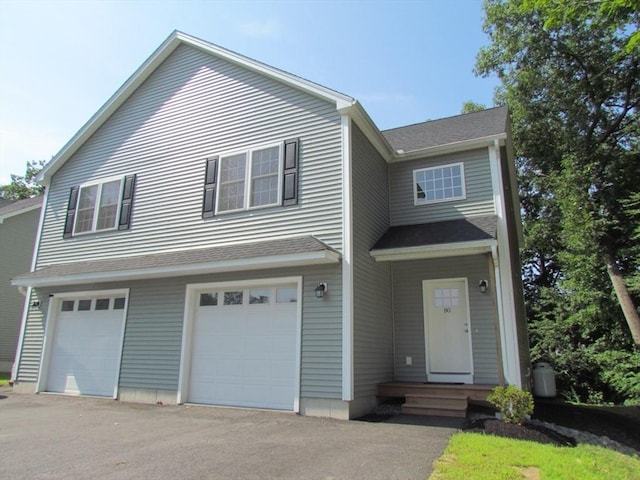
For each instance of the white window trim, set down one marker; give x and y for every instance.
(247, 178)
(417, 201)
(96, 207)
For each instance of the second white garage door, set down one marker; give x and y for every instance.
(244, 347)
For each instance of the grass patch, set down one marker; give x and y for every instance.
(4, 379)
(476, 456)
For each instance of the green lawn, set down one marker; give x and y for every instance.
(4, 379)
(472, 456)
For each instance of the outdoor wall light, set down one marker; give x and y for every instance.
(321, 289)
(483, 286)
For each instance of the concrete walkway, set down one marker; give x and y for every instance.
(54, 437)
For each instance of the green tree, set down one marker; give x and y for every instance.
(470, 106)
(570, 75)
(23, 186)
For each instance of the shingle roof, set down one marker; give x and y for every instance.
(450, 231)
(15, 207)
(444, 131)
(245, 251)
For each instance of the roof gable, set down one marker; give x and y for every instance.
(153, 62)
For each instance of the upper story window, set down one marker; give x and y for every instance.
(439, 184)
(249, 180)
(256, 178)
(100, 206)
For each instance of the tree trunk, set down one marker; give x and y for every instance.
(624, 298)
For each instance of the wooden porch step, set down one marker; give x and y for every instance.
(402, 389)
(443, 405)
(438, 412)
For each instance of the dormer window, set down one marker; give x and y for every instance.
(439, 184)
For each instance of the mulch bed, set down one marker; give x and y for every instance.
(526, 431)
(624, 429)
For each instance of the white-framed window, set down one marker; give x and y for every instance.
(439, 184)
(98, 206)
(250, 179)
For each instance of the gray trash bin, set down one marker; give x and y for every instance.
(544, 380)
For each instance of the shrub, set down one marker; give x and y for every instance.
(513, 403)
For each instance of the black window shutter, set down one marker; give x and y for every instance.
(290, 173)
(210, 177)
(71, 212)
(127, 202)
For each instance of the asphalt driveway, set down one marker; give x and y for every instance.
(51, 437)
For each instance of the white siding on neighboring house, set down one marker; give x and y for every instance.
(479, 193)
(192, 107)
(373, 329)
(409, 315)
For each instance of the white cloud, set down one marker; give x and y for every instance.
(261, 28)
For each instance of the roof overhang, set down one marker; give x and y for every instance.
(433, 251)
(152, 63)
(259, 263)
(20, 212)
(471, 144)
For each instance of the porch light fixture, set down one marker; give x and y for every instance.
(321, 289)
(483, 286)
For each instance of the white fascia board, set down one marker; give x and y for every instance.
(150, 65)
(19, 212)
(261, 263)
(433, 251)
(339, 99)
(471, 144)
(359, 115)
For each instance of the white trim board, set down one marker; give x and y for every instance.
(259, 263)
(433, 251)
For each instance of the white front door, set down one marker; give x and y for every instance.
(447, 331)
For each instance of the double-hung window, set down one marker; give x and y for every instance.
(100, 206)
(249, 179)
(439, 184)
(256, 178)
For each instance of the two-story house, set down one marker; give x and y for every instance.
(223, 232)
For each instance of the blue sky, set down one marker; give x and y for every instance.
(405, 61)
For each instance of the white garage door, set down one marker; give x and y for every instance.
(244, 348)
(86, 345)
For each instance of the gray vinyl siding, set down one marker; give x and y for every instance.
(153, 330)
(17, 238)
(409, 316)
(372, 314)
(479, 193)
(192, 107)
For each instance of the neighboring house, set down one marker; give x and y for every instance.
(223, 232)
(18, 232)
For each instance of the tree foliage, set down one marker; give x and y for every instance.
(470, 106)
(570, 74)
(22, 187)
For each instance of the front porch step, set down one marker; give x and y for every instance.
(443, 405)
(402, 389)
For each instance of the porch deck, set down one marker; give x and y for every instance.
(441, 399)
